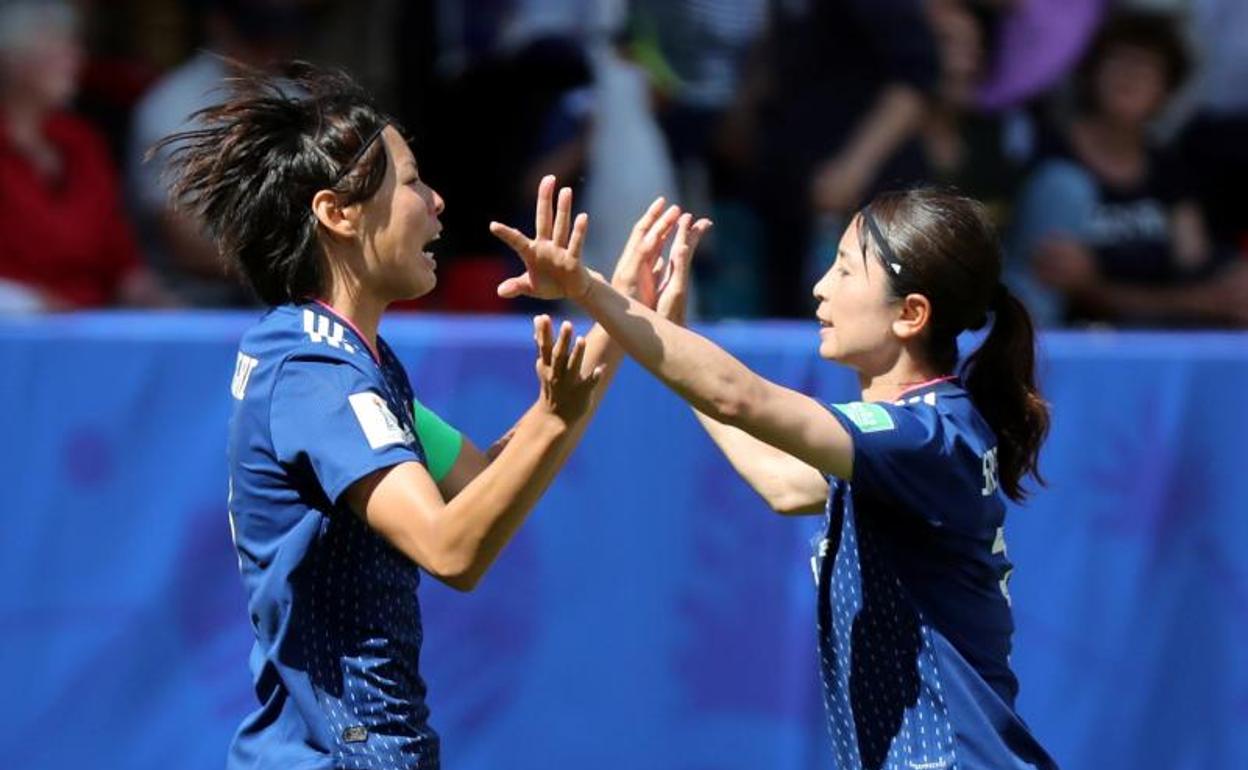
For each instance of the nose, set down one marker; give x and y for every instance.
(819, 291)
(438, 203)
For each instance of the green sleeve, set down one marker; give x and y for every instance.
(440, 441)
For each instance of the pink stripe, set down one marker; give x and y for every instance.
(354, 328)
(922, 385)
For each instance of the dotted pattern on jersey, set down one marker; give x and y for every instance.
(364, 634)
(362, 641)
(882, 687)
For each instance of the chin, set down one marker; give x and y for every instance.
(827, 351)
(424, 288)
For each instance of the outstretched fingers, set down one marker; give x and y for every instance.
(563, 217)
(542, 219)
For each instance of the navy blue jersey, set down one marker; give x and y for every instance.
(914, 610)
(332, 604)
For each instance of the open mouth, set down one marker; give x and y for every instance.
(427, 252)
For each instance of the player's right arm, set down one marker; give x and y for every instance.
(788, 485)
(457, 541)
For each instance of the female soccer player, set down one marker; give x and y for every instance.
(342, 487)
(914, 617)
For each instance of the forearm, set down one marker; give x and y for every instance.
(788, 485)
(1121, 300)
(483, 517)
(711, 380)
(893, 118)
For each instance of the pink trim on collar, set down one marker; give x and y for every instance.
(922, 385)
(354, 328)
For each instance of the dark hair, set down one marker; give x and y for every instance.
(1150, 30)
(942, 245)
(251, 165)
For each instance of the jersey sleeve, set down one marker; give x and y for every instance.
(328, 414)
(910, 455)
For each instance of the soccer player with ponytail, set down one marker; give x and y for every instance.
(914, 613)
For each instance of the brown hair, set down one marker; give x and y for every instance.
(941, 245)
(1150, 30)
(251, 165)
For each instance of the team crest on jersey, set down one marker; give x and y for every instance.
(380, 426)
(870, 418)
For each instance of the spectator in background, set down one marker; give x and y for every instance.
(513, 116)
(828, 115)
(66, 242)
(1107, 229)
(1213, 144)
(980, 153)
(258, 33)
(696, 54)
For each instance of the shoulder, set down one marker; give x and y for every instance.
(940, 420)
(296, 332)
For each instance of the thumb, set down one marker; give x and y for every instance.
(516, 286)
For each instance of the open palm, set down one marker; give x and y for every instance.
(552, 258)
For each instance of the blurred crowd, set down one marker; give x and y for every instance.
(1107, 138)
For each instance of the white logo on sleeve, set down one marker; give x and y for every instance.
(380, 426)
(243, 368)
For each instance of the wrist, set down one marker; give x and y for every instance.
(545, 422)
(584, 298)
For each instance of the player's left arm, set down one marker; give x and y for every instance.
(641, 253)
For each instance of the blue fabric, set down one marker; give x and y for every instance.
(913, 604)
(1059, 199)
(651, 613)
(333, 605)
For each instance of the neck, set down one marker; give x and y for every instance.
(23, 120)
(904, 375)
(358, 307)
(1114, 136)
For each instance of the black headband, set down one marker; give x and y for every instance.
(359, 153)
(890, 258)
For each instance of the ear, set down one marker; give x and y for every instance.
(337, 219)
(914, 317)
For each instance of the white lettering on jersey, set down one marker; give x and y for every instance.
(321, 329)
(991, 480)
(243, 367)
(380, 426)
(998, 547)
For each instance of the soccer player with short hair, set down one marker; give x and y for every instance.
(342, 486)
(914, 617)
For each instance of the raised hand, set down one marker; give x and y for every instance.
(564, 390)
(552, 258)
(641, 263)
(673, 293)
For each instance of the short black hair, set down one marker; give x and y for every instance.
(250, 166)
(1150, 30)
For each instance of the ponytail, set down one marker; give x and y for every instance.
(1001, 378)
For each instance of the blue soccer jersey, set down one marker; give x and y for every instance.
(332, 604)
(914, 611)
